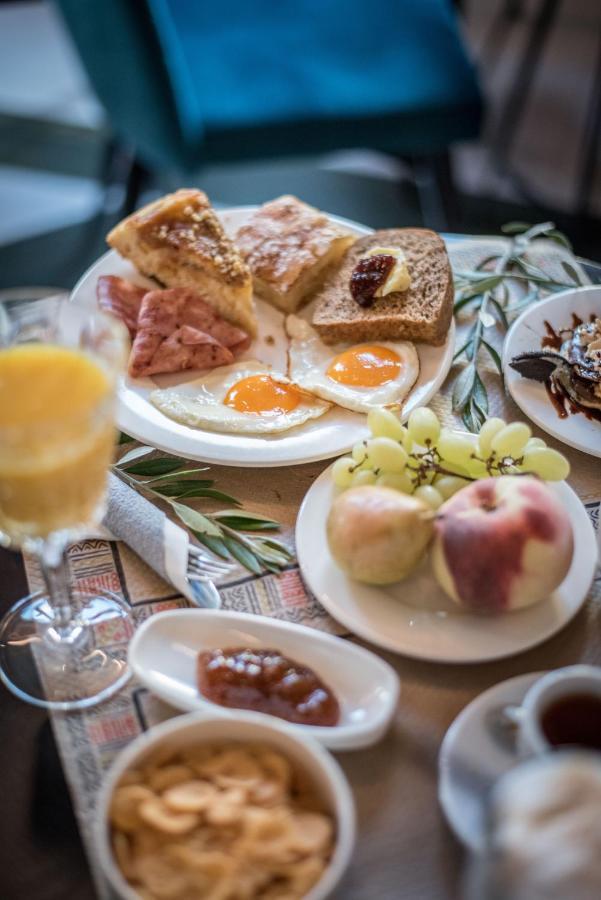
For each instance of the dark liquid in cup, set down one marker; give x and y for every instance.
(574, 720)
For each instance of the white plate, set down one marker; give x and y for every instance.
(323, 438)
(414, 616)
(525, 335)
(476, 750)
(164, 651)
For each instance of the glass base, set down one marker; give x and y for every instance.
(69, 666)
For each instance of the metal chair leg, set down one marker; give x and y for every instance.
(435, 186)
(510, 115)
(592, 136)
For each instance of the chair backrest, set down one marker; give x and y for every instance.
(120, 47)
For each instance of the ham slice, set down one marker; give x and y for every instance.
(178, 330)
(173, 329)
(121, 298)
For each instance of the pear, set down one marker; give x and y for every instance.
(378, 535)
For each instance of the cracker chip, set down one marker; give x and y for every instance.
(221, 822)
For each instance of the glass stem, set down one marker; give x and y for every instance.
(52, 556)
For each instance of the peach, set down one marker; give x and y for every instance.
(502, 544)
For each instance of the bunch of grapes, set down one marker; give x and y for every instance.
(433, 463)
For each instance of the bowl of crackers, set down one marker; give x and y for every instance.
(237, 807)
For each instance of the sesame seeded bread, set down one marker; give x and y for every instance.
(179, 241)
(421, 313)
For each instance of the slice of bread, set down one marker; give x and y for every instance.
(290, 247)
(421, 313)
(179, 241)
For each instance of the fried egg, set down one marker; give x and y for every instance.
(357, 377)
(246, 397)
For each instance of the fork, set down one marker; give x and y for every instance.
(202, 569)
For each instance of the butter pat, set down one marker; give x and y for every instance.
(399, 278)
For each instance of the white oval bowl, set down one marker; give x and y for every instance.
(165, 648)
(185, 731)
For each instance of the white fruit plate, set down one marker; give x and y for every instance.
(525, 335)
(414, 617)
(164, 652)
(323, 438)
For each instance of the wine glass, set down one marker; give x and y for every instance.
(60, 648)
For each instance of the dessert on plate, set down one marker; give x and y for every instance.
(179, 241)
(392, 284)
(290, 246)
(569, 365)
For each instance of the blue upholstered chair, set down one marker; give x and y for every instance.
(187, 82)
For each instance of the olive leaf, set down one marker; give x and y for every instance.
(171, 480)
(463, 387)
(136, 453)
(483, 294)
(161, 465)
(571, 271)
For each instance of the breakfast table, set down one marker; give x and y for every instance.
(404, 847)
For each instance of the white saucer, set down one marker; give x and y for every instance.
(531, 396)
(164, 651)
(477, 749)
(414, 617)
(323, 438)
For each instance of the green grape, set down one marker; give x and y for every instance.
(476, 468)
(511, 440)
(454, 469)
(487, 432)
(386, 455)
(455, 448)
(362, 477)
(359, 454)
(342, 471)
(423, 426)
(430, 495)
(407, 440)
(384, 423)
(398, 481)
(447, 485)
(546, 462)
(534, 442)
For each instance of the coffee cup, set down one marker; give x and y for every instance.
(561, 709)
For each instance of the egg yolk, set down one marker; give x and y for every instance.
(262, 394)
(367, 366)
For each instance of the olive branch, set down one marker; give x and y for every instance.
(485, 291)
(225, 532)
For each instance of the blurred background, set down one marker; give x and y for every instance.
(460, 116)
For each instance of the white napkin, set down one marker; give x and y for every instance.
(161, 543)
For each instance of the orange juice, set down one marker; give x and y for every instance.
(56, 438)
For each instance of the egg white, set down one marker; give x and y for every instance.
(310, 358)
(199, 403)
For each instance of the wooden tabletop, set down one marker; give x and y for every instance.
(405, 849)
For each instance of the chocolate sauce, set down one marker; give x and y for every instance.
(565, 405)
(574, 720)
(552, 339)
(268, 682)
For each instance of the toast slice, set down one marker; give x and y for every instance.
(179, 241)
(421, 313)
(290, 247)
